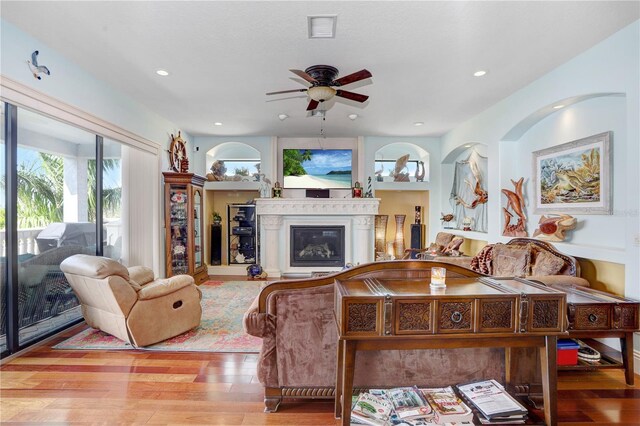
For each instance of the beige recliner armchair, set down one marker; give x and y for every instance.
(129, 303)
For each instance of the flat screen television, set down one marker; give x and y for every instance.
(317, 168)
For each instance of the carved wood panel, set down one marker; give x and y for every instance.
(546, 314)
(592, 317)
(629, 318)
(496, 314)
(414, 316)
(361, 317)
(455, 316)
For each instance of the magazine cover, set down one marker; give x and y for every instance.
(408, 402)
(490, 398)
(446, 405)
(372, 409)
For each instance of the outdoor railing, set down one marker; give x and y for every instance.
(26, 241)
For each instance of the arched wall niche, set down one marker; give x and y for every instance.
(597, 236)
(234, 151)
(523, 126)
(393, 151)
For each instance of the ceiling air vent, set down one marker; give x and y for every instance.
(322, 26)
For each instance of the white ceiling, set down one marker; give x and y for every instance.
(224, 56)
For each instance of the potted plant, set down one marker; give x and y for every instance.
(217, 218)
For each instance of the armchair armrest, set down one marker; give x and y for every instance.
(140, 274)
(165, 286)
(258, 324)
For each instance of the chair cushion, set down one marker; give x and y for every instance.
(93, 266)
(546, 264)
(140, 275)
(511, 261)
(164, 286)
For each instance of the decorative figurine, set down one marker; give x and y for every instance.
(466, 224)
(369, 193)
(446, 220)
(515, 202)
(398, 173)
(218, 169)
(36, 69)
(255, 272)
(554, 226)
(418, 215)
(356, 191)
(419, 175)
(277, 190)
(265, 186)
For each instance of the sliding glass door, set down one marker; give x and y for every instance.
(56, 219)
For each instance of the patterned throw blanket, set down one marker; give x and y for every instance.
(482, 261)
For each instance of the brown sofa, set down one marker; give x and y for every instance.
(527, 257)
(296, 322)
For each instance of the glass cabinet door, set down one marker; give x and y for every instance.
(197, 228)
(179, 229)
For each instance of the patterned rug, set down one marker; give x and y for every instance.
(223, 306)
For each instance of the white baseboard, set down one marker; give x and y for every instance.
(228, 270)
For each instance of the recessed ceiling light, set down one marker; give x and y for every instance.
(217, 123)
(163, 73)
(418, 123)
(283, 117)
(468, 145)
(558, 106)
(352, 116)
(479, 73)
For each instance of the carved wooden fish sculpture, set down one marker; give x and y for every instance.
(554, 227)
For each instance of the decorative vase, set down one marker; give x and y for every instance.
(381, 232)
(399, 240)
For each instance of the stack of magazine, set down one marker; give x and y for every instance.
(493, 402)
(410, 406)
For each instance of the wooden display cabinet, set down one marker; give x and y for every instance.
(184, 224)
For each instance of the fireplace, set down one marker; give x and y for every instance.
(313, 245)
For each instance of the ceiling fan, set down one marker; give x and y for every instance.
(323, 80)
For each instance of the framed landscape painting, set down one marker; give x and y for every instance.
(574, 177)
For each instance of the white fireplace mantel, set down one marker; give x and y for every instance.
(276, 215)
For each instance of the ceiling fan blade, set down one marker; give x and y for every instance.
(353, 96)
(304, 75)
(312, 105)
(287, 91)
(352, 78)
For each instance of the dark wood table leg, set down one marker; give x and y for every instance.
(548, 361)
(348, 366)
(338, 391)
(626, 348)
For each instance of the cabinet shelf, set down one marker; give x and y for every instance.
(183, 225)
(241, 231)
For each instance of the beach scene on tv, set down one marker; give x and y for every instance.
(316, 168)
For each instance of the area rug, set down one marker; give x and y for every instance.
(223, 306)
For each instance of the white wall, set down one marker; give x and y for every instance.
(604, 233)
(610, 67)
(71, 85)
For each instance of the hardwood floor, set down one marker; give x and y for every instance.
(127, 387)
(109, 387)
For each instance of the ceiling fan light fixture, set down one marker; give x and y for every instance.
(321, 93)
(322, 26)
